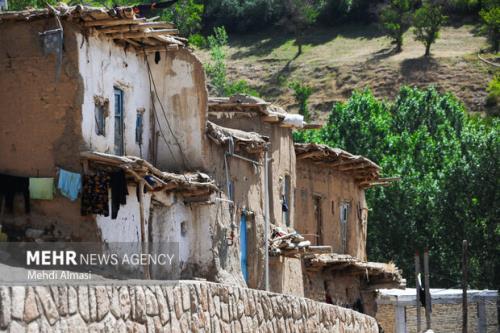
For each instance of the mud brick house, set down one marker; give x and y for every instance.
(87, 90)
(330, 209)
(259, 131)
(121, 103)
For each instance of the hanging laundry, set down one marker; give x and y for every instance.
(42, 188)
(119, 192)
(9, 186)
(95, 194)
(69, 184)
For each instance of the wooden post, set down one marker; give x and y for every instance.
(417, 288)
(144, 241)
(464, 286)
(428, 299)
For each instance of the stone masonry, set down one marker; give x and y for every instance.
(188, 306)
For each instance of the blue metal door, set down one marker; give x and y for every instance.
(243, 246)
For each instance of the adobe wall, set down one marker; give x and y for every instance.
(285, 273)
(334, 188)
(177, 80)
(189, 306)
(282, 153)
(40, 123)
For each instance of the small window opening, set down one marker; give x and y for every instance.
(100, 114)
(139, 126)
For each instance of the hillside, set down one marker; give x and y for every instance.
(337, 61)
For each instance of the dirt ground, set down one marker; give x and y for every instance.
(339, 60)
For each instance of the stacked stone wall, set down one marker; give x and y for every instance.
(189, 306)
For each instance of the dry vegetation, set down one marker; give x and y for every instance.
(339, 60)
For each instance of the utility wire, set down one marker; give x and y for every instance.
(184, 159)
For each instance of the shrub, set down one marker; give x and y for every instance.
(491, 24)
(396, 19)
(302, 92)
(493, 89)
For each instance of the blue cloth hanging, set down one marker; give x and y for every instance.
(69, 184)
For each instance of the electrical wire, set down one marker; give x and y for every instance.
(184, 159)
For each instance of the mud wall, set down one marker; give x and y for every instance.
(249, 186)
(281, 152)
(40, 123)
(175, 92)
(334, 188)
(184, 307)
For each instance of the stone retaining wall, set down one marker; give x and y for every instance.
(189, 306)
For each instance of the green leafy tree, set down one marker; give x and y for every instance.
(187, 16)
(449, 166)
(427, 21)
(490, 16)
(396, 17)
(217, 71)
(300, 15)
(302, 92)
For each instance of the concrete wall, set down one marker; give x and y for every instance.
(186, 307)
(334, 188)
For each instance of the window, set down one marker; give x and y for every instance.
(344, 218)
(119, 126)
(100, 114)
(100, 120)
(139, 126)
(318, 216)
(286, 199)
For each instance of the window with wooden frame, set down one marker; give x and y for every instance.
(101, 109)
(344, 219)
(139, 126)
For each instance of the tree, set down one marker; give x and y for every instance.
(491, 22)
(428, 20)
(300, 15)
(449, 164)
(217, 71)
(186, 15)
(396, 17)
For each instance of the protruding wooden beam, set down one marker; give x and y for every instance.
(112, 22)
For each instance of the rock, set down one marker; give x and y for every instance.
(83, 302)
(109, 323)
(30, 308)
(102, 301)
(151, 303)
(93, 303)
(120, 327)
(5, 307)
(115, 302)
(76, 324)
(72, 300)
(63, 301)
(48, 305)
(33, 328)
(140, 304)
(15, 327)
(124, 303)
(18, 295)
(185, 298)
(162, 306)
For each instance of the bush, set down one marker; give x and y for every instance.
(493, 89)
(302, 92)
(396, 19)
(198, 41)
(240, 87)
